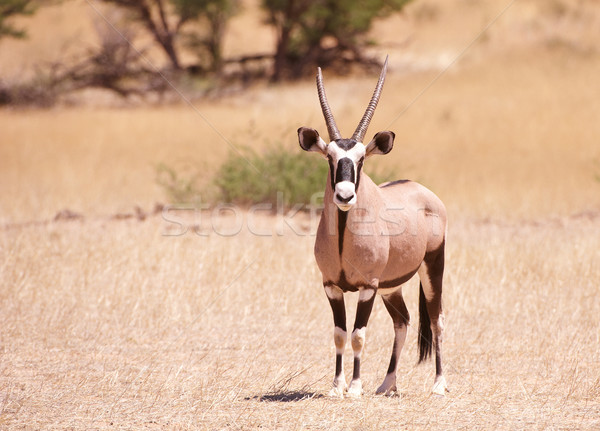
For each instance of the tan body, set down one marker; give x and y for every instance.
(388, 233)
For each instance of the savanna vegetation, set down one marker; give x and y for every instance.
(125, 305)
(190, 35)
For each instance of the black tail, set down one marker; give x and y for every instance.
(425, 336)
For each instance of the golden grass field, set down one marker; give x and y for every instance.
(113, 322)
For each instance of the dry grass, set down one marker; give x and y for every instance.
(107, 322)
(118, 324)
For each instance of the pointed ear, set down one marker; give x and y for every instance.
(311, 141)
(381, 143)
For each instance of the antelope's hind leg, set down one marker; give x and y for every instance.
(431, 274)
(336, 300)
(394, 302)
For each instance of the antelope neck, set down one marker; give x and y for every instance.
(337, 219)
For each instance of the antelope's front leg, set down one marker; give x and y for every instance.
(366, 298)
(336, 300)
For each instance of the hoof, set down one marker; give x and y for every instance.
(388, 387)
(336, 393)
(391, 392)
(440, 387)
(355, 389)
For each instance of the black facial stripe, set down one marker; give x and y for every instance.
(360, 165)
(345, 170)
(331, 171)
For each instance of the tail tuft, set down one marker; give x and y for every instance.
(425, 338)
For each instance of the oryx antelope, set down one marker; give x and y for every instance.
(372, 239)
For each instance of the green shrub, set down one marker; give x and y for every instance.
(258, 178)
(275, 176)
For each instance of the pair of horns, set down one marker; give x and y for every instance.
(361, 130)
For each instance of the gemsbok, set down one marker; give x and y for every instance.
(372, 239)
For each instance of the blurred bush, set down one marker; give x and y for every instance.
(276, 176)
(250, 177)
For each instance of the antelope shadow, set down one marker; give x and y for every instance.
(286, 396)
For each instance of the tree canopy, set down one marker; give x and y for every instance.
(309, 33)
(313, 32)
(165, 21)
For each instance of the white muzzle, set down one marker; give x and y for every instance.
(345, 195)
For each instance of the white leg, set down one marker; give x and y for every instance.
(358, 342)
(366, 297)
(339, 381)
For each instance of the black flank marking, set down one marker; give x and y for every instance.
(346, 144)
(342, 218)
(343, 283)
(398, 281)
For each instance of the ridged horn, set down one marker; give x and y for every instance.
(334, 133)
(361, 130)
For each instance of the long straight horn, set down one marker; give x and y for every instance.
(334, 133)
(361, 130)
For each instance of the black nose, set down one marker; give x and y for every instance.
(341, 199)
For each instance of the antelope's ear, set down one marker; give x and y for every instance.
(311, 141)
(381, 143)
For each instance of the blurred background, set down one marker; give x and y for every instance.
(113, 103)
